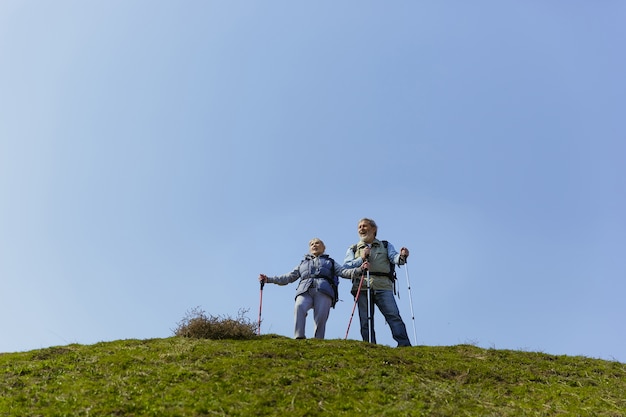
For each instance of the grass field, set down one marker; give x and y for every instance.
(272, 375)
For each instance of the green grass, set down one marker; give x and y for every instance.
(272, 375)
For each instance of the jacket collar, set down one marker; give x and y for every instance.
(308, 256)
(362, 244)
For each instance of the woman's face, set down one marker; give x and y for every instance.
(316, 247)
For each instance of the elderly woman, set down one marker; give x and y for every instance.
(317, 288)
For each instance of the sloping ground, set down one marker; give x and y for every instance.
(272, 375)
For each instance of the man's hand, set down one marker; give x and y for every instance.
(404, 253)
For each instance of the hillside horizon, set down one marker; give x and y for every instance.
(275, 375)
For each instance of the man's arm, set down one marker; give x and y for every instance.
(350, 261)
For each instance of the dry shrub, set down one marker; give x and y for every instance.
(197, 324)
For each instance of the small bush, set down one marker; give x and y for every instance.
(197, 324)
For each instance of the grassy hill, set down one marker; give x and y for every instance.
(272, 375)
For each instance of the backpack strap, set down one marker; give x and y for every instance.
(392, 268)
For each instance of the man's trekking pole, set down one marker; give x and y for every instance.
(370, 315)
(260, 308)
(408, 284)
(356, 300)
(370, 312)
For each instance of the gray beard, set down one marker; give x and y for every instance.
(364, 239)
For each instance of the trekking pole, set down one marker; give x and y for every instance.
(356, 300)
(408, 284)
(260, 308)
(370, 318)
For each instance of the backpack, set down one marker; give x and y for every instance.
(334, 282)
(392, 267)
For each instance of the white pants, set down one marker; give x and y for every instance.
(320, 303)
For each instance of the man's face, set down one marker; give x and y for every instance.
(366, 232)
(316, 247)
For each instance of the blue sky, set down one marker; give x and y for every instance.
(156, 156)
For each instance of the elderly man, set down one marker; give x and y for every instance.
(380, 288)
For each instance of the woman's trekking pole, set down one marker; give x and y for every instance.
(408, 284)
(260, 308)
(356, 300)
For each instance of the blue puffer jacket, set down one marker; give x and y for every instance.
(313, 271)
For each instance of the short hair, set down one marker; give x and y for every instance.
(318, 239)
(372, 223)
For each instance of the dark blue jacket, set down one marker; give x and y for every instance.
(315, 271)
